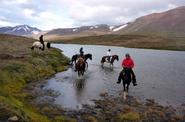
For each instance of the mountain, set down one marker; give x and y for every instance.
(22, 30)
(168, 24)
(65, 33)
(69, 31)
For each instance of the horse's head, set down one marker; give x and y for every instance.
(115, 57)
(88, 56)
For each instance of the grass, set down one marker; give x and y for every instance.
(19, 66)
(127, 117)
(133, 41)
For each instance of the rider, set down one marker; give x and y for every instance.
(128, 63)
(80, 57)
(81, 53)
(42, 41)
(108, 55)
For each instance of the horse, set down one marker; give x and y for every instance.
(39, 45)
(113, 58)
(80, 66)
(126, 77)
(86, 56)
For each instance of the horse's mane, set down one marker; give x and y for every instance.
(88, 54)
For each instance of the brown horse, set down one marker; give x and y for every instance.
(80, 66)
(75, 57)
(113, 58)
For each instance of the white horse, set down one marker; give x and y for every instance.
(39, 45)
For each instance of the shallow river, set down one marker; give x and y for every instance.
(160, 76)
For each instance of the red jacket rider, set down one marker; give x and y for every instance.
(128, 62)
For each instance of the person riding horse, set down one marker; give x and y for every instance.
(127, 64)
(80, 57)
(81, 53)
(42, 41)
(109, 55)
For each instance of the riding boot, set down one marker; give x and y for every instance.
(108, 59)
(133, 78)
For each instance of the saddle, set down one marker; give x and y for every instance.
(108, 58)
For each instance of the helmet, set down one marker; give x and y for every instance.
(109, 49)
(127, 55)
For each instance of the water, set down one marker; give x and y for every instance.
(160, 75)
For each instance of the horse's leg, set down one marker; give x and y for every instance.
(75, 66)
(111, 65)
(79, 73)
(86, 65)
(124, 86)
(102, 64)
(128, 86)
(124, 92)
(82, 73)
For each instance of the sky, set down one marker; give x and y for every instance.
(50, 14)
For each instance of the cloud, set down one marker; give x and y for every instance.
(115, 12)
(47, 14)
(7, 23)
(14, 2)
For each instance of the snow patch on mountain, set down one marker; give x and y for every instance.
(111, 27)
(120, 27)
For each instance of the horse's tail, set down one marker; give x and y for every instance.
(102, 60)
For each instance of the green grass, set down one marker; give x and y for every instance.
(18, 69)
(127, 117)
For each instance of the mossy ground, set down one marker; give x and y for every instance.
(20, 66)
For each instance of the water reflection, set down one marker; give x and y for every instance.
(79, 86)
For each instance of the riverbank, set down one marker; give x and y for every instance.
(109, 108)
(131, 41)
(19, 67)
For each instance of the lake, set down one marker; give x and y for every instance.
(160, 75)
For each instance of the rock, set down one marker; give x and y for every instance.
(104, 94)
(150, 102)
(13, 119)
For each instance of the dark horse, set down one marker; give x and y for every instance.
(80, 66)
(113, 58)
(86, 56)
(126, 76)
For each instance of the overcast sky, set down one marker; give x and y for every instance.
(49, 14)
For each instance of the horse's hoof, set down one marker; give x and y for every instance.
(135, 84)
(118, 82)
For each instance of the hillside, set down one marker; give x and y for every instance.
(20, 67)
(133, 41)
(82, 31)
(166, 24)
